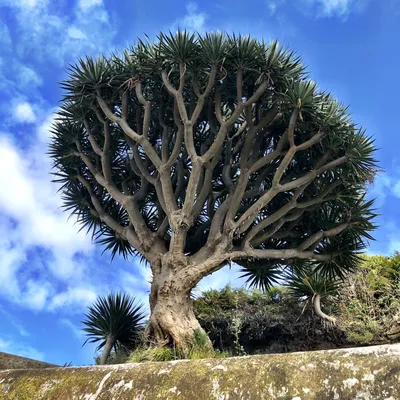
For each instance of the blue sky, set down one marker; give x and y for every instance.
(49, 272)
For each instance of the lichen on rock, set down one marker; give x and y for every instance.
(360, 373)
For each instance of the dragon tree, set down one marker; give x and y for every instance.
(197, 151)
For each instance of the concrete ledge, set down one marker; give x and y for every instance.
(360, 373)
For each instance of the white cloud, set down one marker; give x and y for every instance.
(23, 112)
(193, 20)
(27, 77)
(79, 297)
(31, 199)
(396, 189)
(392, 242)
(44, 129)
(5, 38)
(137, 284)
(133, 282)
(87, 4)
(10, 261)
(30, 217)
(46, 34)
(20, 349)
(331, 7)
(37, 293)
(27, 3)
(339, 8)
(76, 33)
(384, 185)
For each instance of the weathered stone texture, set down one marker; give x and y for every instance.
(347, 374)
(10, 361)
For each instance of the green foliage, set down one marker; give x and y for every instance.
(369, 304)
(157, 354)
(366, 305)
(199, 350)
(200, 338)
(151, 354)
(262, 276)
(249, 321)
(117, 316)
(309, 281)
(188, 60)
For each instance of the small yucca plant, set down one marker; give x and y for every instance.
(315, 286)
(115, 321)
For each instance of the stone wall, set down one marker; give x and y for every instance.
(10, 361)
(347, 374)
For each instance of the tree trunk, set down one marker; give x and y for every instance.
(107, 349)
(172, 319)
(317, 308)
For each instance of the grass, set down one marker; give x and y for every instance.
(200, 350)
(159, 354)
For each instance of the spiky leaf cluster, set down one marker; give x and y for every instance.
(116, 315)
(237, 68)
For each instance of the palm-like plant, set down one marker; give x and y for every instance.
(304, 280)
(312, 284)
(193, 151)
(115, 321)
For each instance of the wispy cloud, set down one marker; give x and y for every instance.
(274, 5)
(27, 77)
(20, 349)
(335, 8)
(42, 27)
(5, 38)
(77, 332)
(44, 261)
(81, 296)
(11, 319)
(23, 112)
(88, 4)
(193, 20)
(76, 33)
(321, 8)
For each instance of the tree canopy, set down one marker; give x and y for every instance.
(217, 148)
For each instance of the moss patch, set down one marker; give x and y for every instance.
(364, 373)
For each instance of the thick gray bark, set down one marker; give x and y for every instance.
(172, 317)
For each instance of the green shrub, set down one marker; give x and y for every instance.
(151, 354)
(157, 354)
(367, 307)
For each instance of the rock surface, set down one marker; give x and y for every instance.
(10, 361)
(358, 373)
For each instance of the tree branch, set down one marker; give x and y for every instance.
(318, 236)
(246, 219)
(278, 254)
(141, 139)
(147, 109)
